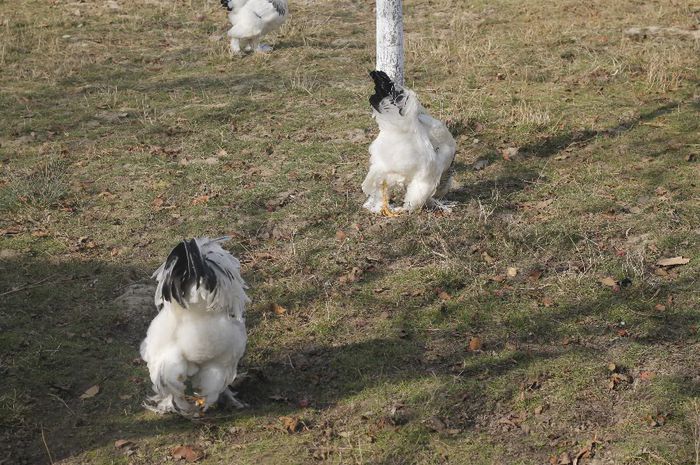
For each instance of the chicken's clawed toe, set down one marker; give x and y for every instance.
(389, 212)
(228, 398)
(442, 206)
(263, 48)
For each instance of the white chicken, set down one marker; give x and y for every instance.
(199, 334)
(251, 20)
(413, 151)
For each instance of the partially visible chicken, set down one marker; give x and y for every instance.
(251, 20)
(413, 151)
(199, 334)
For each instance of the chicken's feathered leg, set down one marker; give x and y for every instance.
(418, 192)
(235, 46)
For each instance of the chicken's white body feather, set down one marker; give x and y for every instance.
(413, 151)
(253, 19)
(200, 339)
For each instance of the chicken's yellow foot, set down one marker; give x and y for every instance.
(198, 401)
(386, 209)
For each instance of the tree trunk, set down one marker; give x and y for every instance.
(390, 39)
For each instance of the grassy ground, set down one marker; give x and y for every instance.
(481, 337)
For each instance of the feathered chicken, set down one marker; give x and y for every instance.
(413, 151)
(251, 20)
(199, 334)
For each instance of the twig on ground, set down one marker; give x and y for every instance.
(63, 402)
(695, 405)
(43, 438)
(28, 286)
(44, 281)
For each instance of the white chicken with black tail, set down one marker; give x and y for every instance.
(251, 20)
(413, 151)
(199, 335)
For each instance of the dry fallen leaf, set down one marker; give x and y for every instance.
(200, 199)
(91, 392)
(656, 420)
(474, 344)
(442, 295)
(646, 375)
(564, 459)
(189, 453)
(661, 191)
(660, 307)
(435, 424)
(618, 378)
(353, 276)
(540, 409)
(660, 272)
(509, 153)
(534, 275)
(608, 281)
(291, 424)
(278, 309)
(585, 452)
(340, 235)
(547, 301)
(487, 258)
(281, 200)
(512, 272)
(121, 443)
(673, 261)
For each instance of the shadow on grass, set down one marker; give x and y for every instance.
(521, 176)
(64, 333)
(556, 144)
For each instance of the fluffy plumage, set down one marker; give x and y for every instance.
(199, 334)
(251, 20)
(413, 150)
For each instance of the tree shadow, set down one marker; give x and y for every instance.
(554, 145)
(520, 176)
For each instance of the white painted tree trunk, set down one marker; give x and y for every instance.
(390, 39)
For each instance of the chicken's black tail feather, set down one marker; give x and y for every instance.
(384, 87)
(187, 268)
(225, 4)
